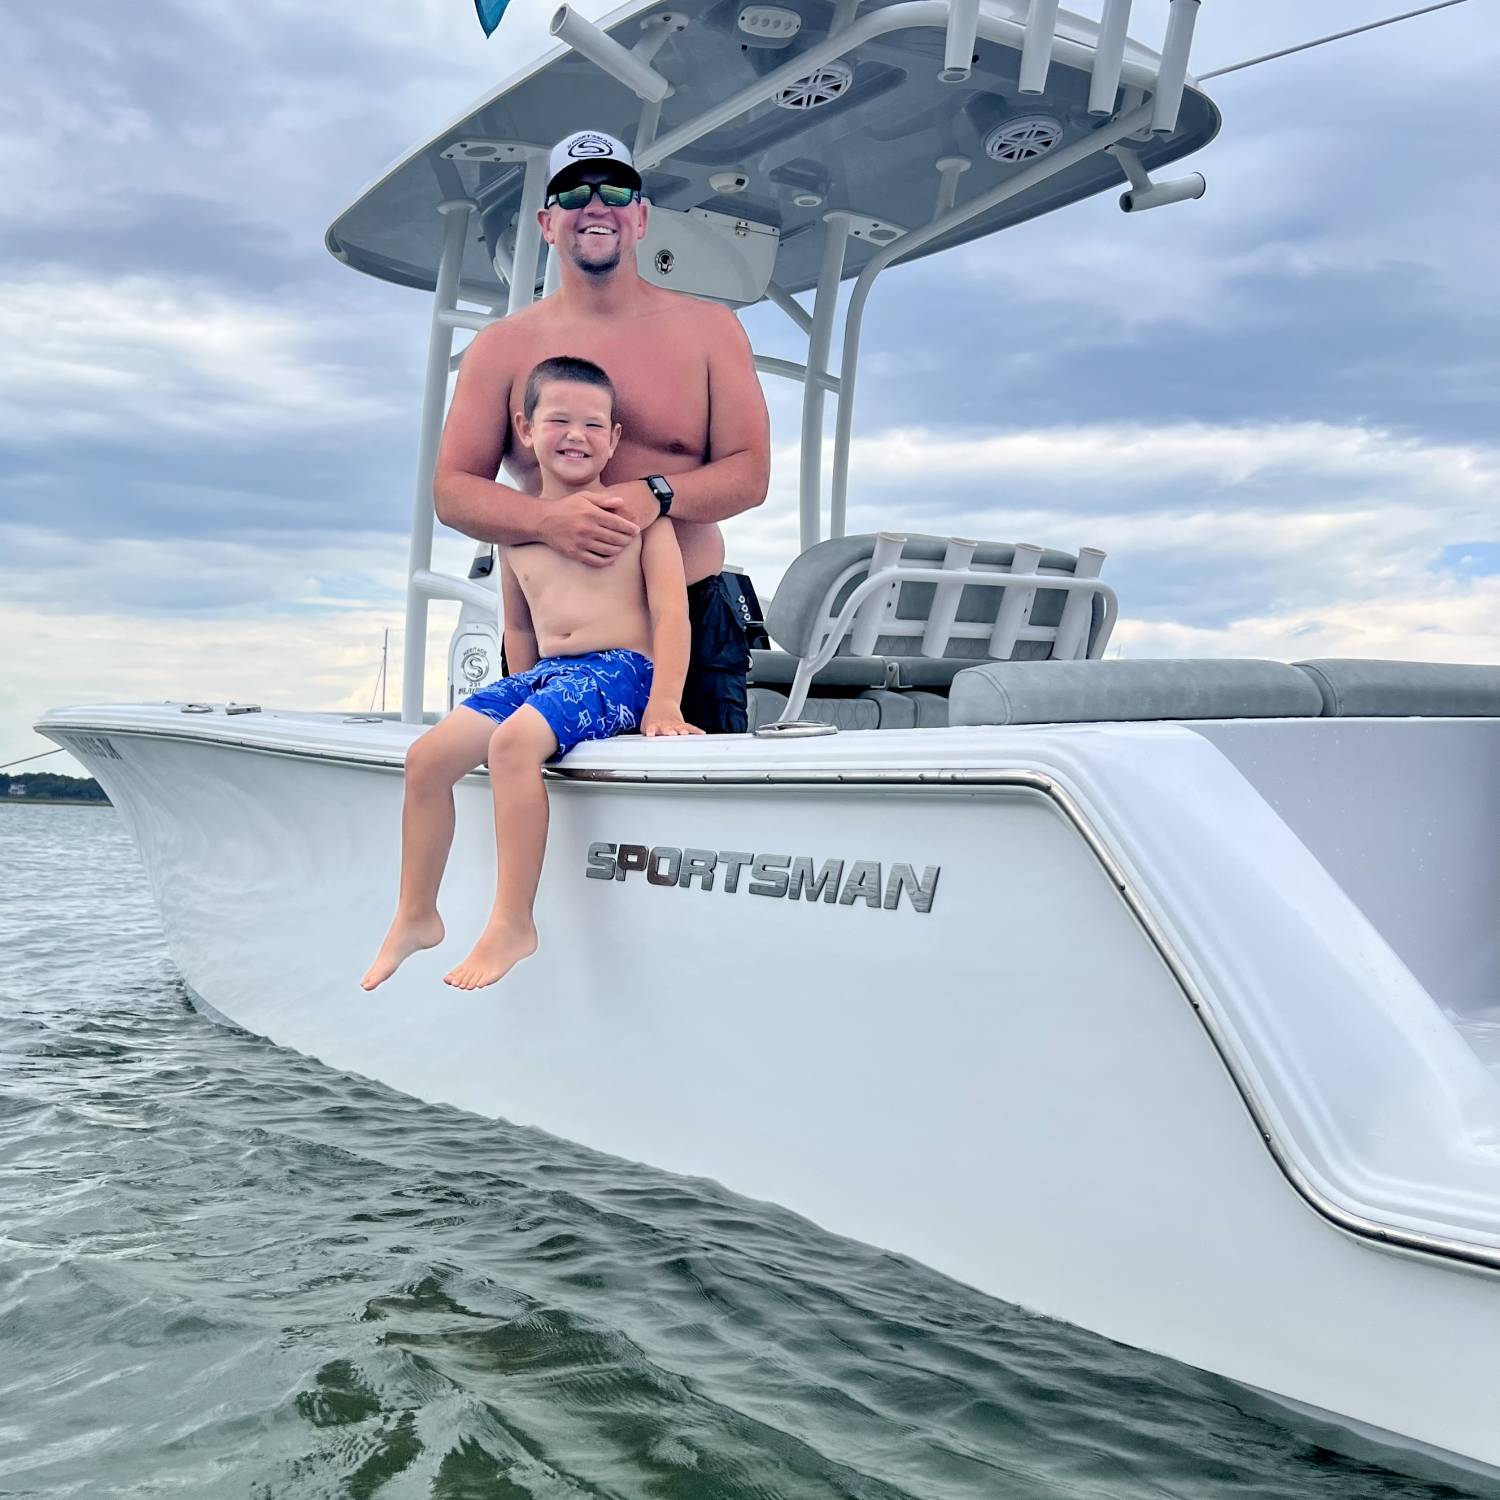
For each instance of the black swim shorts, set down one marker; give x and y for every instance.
(714, 697)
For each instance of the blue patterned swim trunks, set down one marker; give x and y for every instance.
(590, 697)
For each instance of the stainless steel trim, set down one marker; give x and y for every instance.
(1359, 1226)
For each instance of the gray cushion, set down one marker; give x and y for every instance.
(874, 710)
(846, 713)
(764, 706)
(931, 709)
(779, 667)
(795, 610)
(1353, 688)
(897, 711)
(1086, 692)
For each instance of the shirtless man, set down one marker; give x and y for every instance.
(696, 433)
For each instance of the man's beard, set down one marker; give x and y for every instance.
(598, 267)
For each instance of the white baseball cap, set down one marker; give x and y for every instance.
(576, 153)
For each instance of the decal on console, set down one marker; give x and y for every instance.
(780, 876)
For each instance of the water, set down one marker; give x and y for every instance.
(227, 1271)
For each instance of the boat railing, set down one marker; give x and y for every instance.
(866, 615)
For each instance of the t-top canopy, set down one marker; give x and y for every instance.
(777, 115)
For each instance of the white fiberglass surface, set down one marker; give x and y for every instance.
(1405, 815)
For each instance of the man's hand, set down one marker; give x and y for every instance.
(633, 500)
(590, 527)
(665, 719)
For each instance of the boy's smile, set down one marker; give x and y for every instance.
(572, 432)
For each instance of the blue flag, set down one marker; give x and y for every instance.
(490, 12)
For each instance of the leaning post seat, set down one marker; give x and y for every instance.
(1122, 692)
(1356, 688)
(889, 611)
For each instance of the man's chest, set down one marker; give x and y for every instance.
(661, 388)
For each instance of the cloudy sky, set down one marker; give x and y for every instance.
(1274, 408)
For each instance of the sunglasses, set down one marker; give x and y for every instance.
(611, 195)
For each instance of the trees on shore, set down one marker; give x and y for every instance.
(45, 786)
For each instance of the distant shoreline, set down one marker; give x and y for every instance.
(48, 787)
(54, 802)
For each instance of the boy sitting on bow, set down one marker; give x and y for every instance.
(593, 652)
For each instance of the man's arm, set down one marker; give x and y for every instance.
(465, 492)
(738, 473)
(521, 650)
(666, 596)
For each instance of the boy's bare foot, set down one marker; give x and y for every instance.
(404, 939)
(497, 952)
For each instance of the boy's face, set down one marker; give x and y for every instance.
(572, 432)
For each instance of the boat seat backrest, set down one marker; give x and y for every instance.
(877, 611)
(1353, 688)
(802, 605)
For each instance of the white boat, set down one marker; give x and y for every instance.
(1155, 996)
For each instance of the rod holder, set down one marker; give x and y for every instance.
(1109, 57)
(1036, 46)
(607, 54)
(871, 612)
(1172, 74)
(1158, 194)
(958, 48)
(1014, 614)
(1146, 194)
(1078, 609)
(945, 598)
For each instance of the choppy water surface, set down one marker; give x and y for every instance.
(228, 1271)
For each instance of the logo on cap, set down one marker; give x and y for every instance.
(590, 145)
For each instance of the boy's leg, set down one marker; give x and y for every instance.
(518, 749)
(434, 764)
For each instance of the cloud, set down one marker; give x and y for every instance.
(134, 406)
(1448, 621)
(280, 625)
(129, 355)
(1093, 459)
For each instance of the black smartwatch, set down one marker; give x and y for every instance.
(662, 490)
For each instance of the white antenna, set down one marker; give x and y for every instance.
(1336, 36)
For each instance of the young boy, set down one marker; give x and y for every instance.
(580, 643)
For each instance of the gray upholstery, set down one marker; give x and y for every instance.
(795, 610)
(931, 709)
(1086, 692)
(846, 713)
(764, 706)
(897, 711)
(1353, 688)
(874, 710)
(779, 667)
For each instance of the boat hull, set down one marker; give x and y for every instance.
(1017, 1085)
